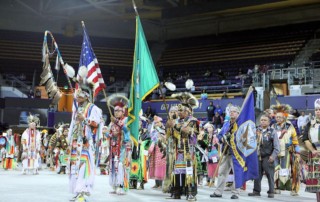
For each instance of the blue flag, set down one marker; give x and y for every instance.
(244, 144)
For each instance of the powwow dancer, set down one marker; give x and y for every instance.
(311, 139)
(186, 130)
(170, 152)
(104, 152)
(9, 162)
(287, 163)
(157, 161)
(120, 146)
(143, 158)
(86, 123)
(31, 143)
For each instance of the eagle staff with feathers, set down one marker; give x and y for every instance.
(86, 124)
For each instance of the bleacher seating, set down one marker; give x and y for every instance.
(231, 52)
(21, 53)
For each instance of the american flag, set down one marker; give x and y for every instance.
(89, 60)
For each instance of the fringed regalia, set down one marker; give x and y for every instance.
(184, 177)
(202, 157)
(157, 160)
(139, 164)
(287, 166)
(313, 177)
(120, 155)
(213, 155)
(31, 142)
(81, 137)
(9, 160)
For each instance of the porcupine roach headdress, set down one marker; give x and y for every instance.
(117, 101)
(33, 119)
(283, 108)
(188, 101)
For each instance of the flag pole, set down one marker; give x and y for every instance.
(164, 100)
(104, 92)
(160, 87)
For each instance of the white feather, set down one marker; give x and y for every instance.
(170, 86)
(43, 52)
(69, 70)
(57, 66)
(189, 84)
(83, 72)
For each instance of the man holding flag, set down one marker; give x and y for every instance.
(86, 123)
(239, 148)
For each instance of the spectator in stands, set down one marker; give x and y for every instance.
(311, 116)
(31, 94)
(240, 72)
(169, 78)
(155, 94)
(186, 75)
(295, 113)
(303, 120)
(207, 74)
(174, 76)
(163, 91)
(112, 79)
(210, 111)
(255, 94)
(219, 110)
(221, 75)
(224, 95)
(217, 120)
(204, 95)
(149, 112)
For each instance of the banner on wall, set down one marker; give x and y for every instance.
(159, 107)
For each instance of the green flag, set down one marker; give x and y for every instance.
(144, 80)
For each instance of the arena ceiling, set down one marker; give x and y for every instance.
(162, 19)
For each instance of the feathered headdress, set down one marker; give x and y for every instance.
(187, 100)
(34, 119)
(117, 101)
(317, 103)
(282, 108)
(85, 90)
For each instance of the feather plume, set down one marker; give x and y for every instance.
(69, 70)
(189, 84)
(170, 86)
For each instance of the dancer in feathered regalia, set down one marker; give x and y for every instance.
(120, 146)
(311, 138)
(157, 161)
(86, 125)
(287, 163)
(31, 143)
(9, 162)
(185, 132)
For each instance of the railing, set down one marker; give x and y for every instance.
(13, 81)
(301, 74)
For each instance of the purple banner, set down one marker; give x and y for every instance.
(159, 106)
(298, 102)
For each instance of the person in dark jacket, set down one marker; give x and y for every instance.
(268, 149)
